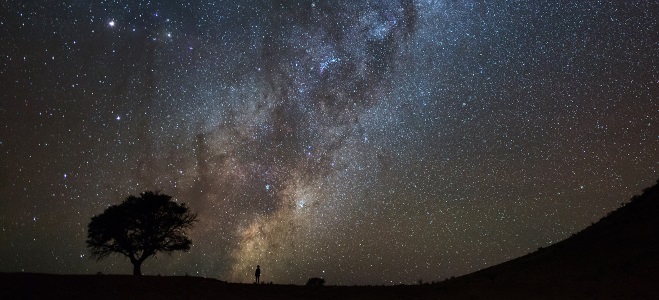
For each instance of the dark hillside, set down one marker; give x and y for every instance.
(615, 258)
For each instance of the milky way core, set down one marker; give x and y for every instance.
(364, 142)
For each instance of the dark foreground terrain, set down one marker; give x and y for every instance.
(47, 286)
(615, 258)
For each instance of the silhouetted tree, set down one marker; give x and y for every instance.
(140, 227)
(315, 281)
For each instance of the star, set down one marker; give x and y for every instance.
(401, 139)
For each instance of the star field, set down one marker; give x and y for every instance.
(365, 142)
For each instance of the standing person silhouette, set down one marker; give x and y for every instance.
(257, 274)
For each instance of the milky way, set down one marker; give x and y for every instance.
(365, 142)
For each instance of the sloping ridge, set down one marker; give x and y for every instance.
(617, 257)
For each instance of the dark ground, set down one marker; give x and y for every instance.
(47, 286)
(615, 258)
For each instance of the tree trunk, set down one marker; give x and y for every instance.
(137, 268)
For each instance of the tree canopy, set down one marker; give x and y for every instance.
(141, 227)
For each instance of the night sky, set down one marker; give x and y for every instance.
(365, 142)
